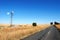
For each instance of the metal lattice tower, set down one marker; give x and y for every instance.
(11, 16)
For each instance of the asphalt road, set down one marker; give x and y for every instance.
(50, 33)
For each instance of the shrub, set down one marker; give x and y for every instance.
(34, 24)
(56, 23)
(51, 23)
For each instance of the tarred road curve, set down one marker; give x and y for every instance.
(50, 33)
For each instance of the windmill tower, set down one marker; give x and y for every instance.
(11, 17)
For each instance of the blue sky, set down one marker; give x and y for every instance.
(28, 11)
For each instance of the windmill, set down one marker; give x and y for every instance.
(11, 17)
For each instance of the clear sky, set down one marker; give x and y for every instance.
(28, 11)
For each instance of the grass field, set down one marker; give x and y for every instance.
(58, 26)
(19, 31)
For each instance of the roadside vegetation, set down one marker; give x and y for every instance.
(19, 31)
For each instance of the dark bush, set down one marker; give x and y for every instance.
(56, 23)
(34, 24)
(51, 23)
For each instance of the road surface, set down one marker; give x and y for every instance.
(50, 33)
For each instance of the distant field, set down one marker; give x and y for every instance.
(19, 31)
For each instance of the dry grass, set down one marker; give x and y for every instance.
(58, 26)
(19, 31)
